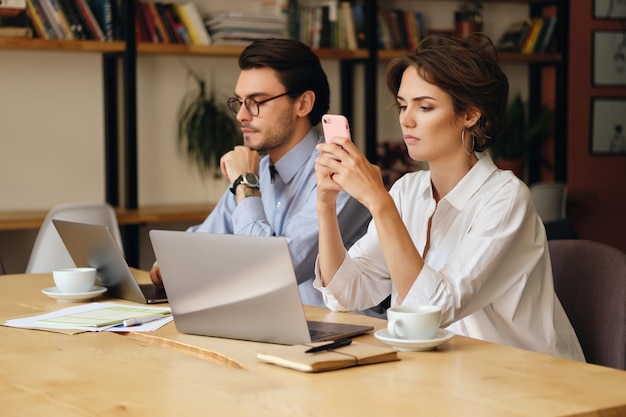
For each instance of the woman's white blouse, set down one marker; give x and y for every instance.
(488, 265)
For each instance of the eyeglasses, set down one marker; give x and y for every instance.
(253, 106)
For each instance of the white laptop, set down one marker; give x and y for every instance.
(237, 287)
(93, 245)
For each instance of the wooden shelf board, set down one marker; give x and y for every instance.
(235, 50)
(61, 45)
(33, 219)
(505, 57)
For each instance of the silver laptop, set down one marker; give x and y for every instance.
(237, 287)
(93, 245)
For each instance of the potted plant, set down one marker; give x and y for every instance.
(206, 128)
(468, 18)
(511, 148)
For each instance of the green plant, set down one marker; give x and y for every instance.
(206, 128)
(521, 133)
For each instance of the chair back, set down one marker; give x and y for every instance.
(49, 252)
(2, 270)
(590, 282)
(549, 200)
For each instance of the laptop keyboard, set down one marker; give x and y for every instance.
(321, 334)
(152, 292)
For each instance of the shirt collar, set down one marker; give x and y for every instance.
(472, 181)
(296, 158)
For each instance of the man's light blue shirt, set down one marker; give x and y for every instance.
(287, 208)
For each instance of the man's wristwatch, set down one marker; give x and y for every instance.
(248, 179)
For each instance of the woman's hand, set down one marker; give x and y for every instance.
(341, 166)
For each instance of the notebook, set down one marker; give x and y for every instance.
(237, 287)
(93, 245)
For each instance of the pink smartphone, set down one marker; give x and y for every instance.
(335, 125)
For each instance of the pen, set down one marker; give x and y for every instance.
(333, 345)
(141, 320)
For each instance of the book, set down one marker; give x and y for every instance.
(348, 25)
(159, 26)
(90, 20)
(76, 25)
(103, 12)
(355, 354)
(36, 20)
(13, 4)
(513, 37)
(50, 15)
(39, 16)
(61, 20)
(545, 37)
(358, 16)
(14, 20)
(167, 26)
(533, 34)
(15, 32)
(190, 16)
(177, 25)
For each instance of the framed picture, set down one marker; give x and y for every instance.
(609, 9)
(608, 124)
(609, 62)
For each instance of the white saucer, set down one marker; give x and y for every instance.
(442, 336)
(53, 292)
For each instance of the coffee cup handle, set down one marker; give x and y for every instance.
(394, 328)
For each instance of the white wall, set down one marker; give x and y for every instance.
(51, 118)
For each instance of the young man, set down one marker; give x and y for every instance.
(281, 94)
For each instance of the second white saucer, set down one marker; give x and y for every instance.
(442, 336)
(53, 292)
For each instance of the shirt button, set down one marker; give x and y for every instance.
(279, 204)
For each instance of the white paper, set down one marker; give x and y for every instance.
(35, 322)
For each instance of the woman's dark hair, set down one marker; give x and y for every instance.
(296, 66)
(469, 71)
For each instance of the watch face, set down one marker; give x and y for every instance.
(251, 179)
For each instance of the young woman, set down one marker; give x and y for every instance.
(462, 235)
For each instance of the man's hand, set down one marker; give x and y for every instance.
(240, 161)
(155, 276)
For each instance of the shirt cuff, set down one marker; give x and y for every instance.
(248, 211)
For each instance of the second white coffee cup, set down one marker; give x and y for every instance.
(413, 322)
(74, 280)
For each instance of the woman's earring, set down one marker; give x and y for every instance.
(463, 142)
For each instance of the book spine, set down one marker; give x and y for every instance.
(179, 28)
(48, 10)
(158, 23)
(533, 34)
(62, 20)
(190, 16)
(36, 20)
(13, 4)
(150, 24)
(90, 19)
(346, 15)
(74, 24)
(141, 26)
(546, 35)
(109, 20)
(171, 34)
(16, 32)
(41, 14)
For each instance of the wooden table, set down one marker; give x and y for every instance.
(166, 373)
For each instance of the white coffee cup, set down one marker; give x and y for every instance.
(74, 280)
(413, 322)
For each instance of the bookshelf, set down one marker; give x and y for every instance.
(119, 69)
(554, 60)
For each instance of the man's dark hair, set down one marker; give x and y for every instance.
(296, 66)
